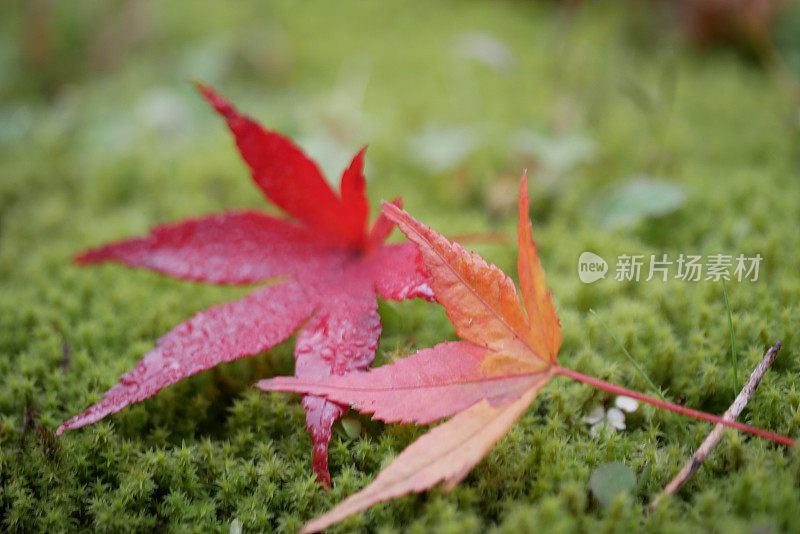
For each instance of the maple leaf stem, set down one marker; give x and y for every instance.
(682, 410)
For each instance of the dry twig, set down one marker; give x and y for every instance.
(713, 438)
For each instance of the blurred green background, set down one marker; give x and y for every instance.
(646, 128)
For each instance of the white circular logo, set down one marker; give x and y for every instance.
(591, 267)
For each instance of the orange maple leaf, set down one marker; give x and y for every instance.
(486, 382)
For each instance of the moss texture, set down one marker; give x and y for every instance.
(101, 137)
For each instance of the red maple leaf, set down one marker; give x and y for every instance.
(334, 270)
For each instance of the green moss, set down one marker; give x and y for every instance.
(84, 160)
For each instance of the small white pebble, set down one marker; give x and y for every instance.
(597, 415)
(615, 418)
(626, 404)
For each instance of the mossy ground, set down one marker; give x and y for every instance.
(101, 137)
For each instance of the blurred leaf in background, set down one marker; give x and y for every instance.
(638, 198)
